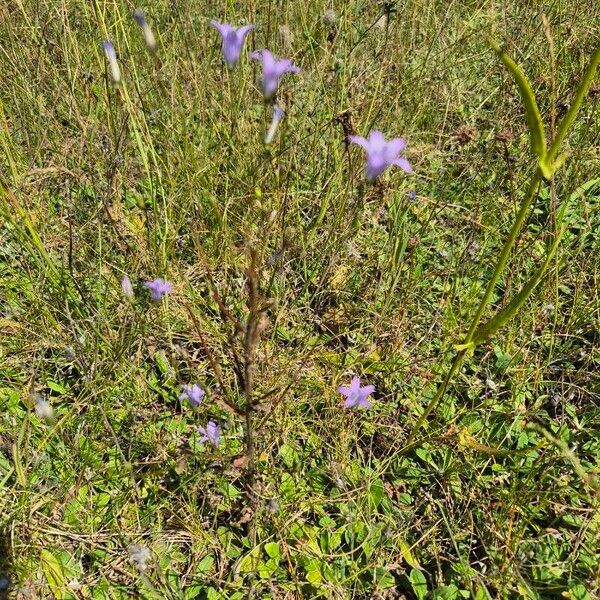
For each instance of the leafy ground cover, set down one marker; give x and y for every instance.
(167, 175)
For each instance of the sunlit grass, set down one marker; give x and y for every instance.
(166, 175)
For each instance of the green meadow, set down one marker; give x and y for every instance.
(465, 292)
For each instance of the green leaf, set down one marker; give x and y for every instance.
(577, 592)
(314, 576)
(251, 561)
(419, 583)
(206, 564)
(534, 119)
(272, 549)
(407, 555)
(56, 387)
(54, 573)
(376, 493)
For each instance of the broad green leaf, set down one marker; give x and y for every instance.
(54, 573)
(206, 564)
(250, 562)
(534, 119)
(407, 555)
(376, 493)
(419, 583)
(314, 576)
(272, 549)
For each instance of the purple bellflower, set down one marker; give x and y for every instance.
(355, 394)
(273, 70)
(233, 40)
(381, 154)
(114, 71)
(211, 433)
(193, 393)
(158, 288)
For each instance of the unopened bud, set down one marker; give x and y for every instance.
(140, 19)
(278, 114)
(127, 288)
(114, 71)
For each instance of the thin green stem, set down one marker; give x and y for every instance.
(502, 260)
(489, 290)
(531, 193)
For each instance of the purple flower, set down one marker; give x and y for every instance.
(412, 195)
(193, 393)
(113, 66)
(211, 433)
(381, 154)
(273, 70)
(158, 288)
(355, 394)
(233, 40)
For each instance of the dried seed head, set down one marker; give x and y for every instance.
(43, 409)
(329, 17)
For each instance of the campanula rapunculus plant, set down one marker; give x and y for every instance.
(158, 288)
(355, 394)
(381, 154)
(273, 70)
(114, 70)
(194, 393)
(233, 40)
(211, 433)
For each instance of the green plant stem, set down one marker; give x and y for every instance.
(580, 94)
(489, 290)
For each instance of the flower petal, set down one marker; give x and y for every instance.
(361, 141)
(403, 164)
(223, 28)
(367, 390)
(396, 146)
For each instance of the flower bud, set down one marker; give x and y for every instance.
(140, 19)
(114, 71)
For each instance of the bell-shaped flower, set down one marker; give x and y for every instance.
(158, 288)
(193, 393)
(355, 394)
(273, 70)
(233, 40)
(211, 433)
(381, 154)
